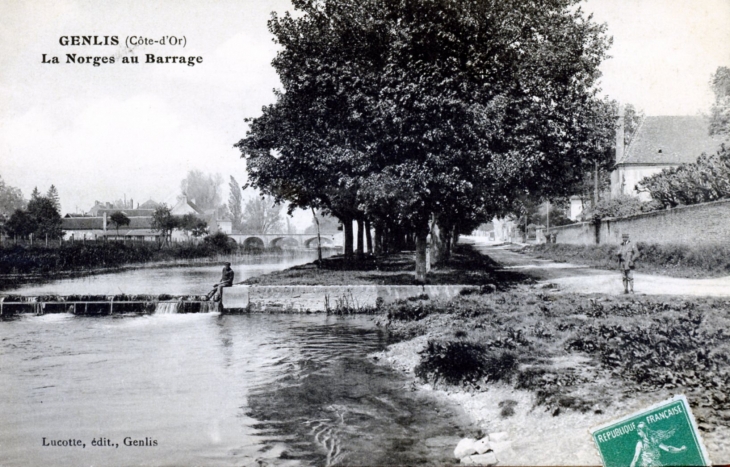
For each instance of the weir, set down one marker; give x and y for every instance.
(100, 305)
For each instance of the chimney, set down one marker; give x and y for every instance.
(104, 221)
(620, 134)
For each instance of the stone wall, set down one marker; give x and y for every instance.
(317, 298)
(699, 224)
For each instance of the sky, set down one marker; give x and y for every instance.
(135, 130)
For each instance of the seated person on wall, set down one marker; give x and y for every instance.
(226, 281)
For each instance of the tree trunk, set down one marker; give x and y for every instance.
(347, 228)
(319, 239)
(368, 237)
(437, 246)
(421, 237)
(378, 240)
(360, 239)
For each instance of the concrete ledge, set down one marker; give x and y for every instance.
(322, 298)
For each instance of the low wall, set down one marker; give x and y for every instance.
(317, 298)
(699, 224)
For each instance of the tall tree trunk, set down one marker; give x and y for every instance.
(421, 237)
(347, 228)
(360, 239)
(368, 237)
(319, 239)
(378, 240)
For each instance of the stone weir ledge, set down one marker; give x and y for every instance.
(236, 299)
(330, 298)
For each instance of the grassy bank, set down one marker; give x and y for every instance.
(466, 266)
(670, 260)
(78, 256)
(574, 353)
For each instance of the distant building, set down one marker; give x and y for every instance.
(659, 143)
(91, 228)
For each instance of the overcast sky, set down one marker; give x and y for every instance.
(100, 133)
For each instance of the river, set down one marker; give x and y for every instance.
(208, 389)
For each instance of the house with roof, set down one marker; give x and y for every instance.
(93, 228)
(660, 142)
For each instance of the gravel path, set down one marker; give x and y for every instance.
(583, 279)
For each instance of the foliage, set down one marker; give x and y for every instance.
(11, 198)
(45, 219)
(203, 189)
(164, 222)
(192, 225)
(708, 179)
(119, 219)
(221, 242)
(400, 112)
(52, 194)
(619, 206)
(459, 362)
(235, 203)
(262, 215)
(20, 224)
(720, 112)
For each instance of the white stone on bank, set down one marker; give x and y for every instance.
(482, 445)
(499, 436)
(465, 448)
(480, 459)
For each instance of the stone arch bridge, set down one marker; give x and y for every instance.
(284, 240)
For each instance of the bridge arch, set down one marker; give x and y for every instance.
(312, 242)
(284, 242)
(253, 243)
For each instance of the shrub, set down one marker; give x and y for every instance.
(460, 362)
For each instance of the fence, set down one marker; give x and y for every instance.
(698, 224)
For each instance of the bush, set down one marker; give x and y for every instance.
(462, 362)
(221, 243)
(620, 206)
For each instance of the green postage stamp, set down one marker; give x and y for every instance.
(661, 435)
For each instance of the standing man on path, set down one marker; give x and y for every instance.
(226, 281)
(627, 256)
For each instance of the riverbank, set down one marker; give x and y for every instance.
(27, 265)
(546, 367)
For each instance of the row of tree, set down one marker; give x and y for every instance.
(430, 116)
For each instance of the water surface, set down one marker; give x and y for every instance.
(212, 389)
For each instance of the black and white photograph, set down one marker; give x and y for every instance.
(364, 232)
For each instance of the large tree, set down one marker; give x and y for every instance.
(720, 112)
(52, 194)
(434, 109)
(262, 215)
(235, 203)
(203, 189)
(11, 198)
(45, 218)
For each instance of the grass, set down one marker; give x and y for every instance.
(669, 260)
(466, 266)
(574, 352)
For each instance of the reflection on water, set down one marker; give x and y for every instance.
(211, 390)
(188, 280)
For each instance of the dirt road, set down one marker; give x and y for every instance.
(582, 279)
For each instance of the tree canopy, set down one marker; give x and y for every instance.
(203, 189)
(720, 112)
(429, 110)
